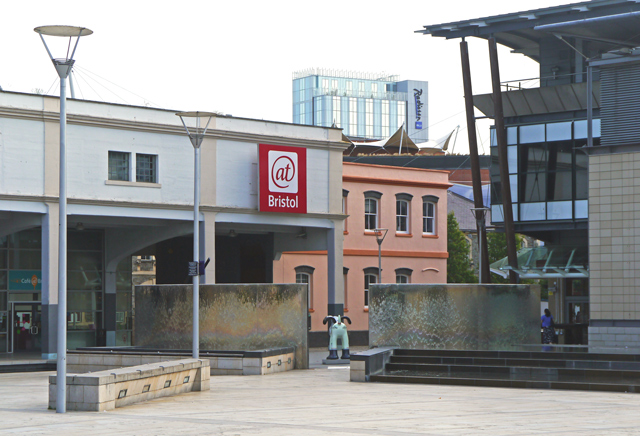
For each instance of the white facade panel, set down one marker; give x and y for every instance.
(21, 157)
(237, 174)
(317, 181)
(88, 164)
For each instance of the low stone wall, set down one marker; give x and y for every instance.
(106, 390)
(260, 362)
(367, 363)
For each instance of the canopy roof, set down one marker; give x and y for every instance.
(547, 262)
(608, 24)
(399, 142)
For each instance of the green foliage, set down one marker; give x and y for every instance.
(458, 265)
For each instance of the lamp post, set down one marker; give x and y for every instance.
(479, 214)
(380, 235)
(196, 135)
(63, 67)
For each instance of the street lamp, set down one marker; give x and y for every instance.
(196, 135)
(479, 214)
(380, 235)
(63, 67)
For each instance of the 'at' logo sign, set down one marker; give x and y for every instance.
(283, 179)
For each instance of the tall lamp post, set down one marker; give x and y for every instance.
(63, 67)
(196, 135)
(380, 235)
(479, 213)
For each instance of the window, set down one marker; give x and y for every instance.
(345, 271)
(370, 278)
(345, 193)
(402, 108)
(304, 275)
(119, 165)
(402, 212)
(403, 275)
(353, 116)
(336, 111)
(429, 214)
(146, 168)
(369, 118)
(385, 118)
(371, 209)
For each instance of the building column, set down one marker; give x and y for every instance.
(49, 288)
(335, 281)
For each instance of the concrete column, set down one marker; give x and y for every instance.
(208, 246)
(50, 281)
(109, 303)
(335, 282)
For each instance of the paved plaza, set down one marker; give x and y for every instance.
(322, 401)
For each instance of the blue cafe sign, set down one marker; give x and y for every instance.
(25, 280)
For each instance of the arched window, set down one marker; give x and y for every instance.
(403, 212)
(370, 278)
(372, 209)
(304, 275)
(429, 203)
(403, 275)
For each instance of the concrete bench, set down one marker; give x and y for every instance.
(256, 362)
(106, 390)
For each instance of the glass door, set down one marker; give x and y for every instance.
(26, 326)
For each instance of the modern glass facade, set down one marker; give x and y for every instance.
(21, 292)
(548, 174)
(363, 105)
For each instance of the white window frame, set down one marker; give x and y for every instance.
(426, 217)
(400, 216)
(367, 282)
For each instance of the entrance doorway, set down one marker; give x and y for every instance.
(26, 327)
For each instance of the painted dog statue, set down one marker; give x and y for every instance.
(337, 330)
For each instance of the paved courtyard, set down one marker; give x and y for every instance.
(322, 401)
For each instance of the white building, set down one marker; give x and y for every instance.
(130, 178)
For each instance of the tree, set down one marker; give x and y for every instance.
(459, 268)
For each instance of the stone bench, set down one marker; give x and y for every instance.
(106, 390)
(256, 362)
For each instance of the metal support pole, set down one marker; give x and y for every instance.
(589, 105)
(380, 261)
(61, 376)
(196, 255)
(483, 254)
(503, 161)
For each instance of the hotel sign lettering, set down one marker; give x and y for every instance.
(283, 178)
(417, 93)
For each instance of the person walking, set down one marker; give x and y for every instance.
(548, 331)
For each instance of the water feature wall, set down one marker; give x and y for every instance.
(243, 317)
(454, 316)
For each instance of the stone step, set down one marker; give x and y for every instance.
(517, 362)
(542, 355)
(627, 377)
(507, 383)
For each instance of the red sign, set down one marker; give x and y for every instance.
(283, 178)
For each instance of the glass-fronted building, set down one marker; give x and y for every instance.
(364, 105)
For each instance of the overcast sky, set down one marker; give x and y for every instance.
(237, 57)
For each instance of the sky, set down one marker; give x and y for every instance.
(237, 57)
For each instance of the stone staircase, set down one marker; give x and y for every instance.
(516, 369)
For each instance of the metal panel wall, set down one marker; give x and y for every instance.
(620, 104)
(244, 317)
(462, 317)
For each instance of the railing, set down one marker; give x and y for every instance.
(383, 95)
(538, 82)
(345, 74)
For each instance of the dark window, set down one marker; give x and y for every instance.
(146, 168)
(119, 165)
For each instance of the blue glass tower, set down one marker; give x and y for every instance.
(364, 105)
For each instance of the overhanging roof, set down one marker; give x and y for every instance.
(609, 24)
(547, 262)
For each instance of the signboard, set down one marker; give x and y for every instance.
(25, 280)
(417, 93)
(283, 178)
(193, 269)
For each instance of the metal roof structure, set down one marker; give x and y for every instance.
(608, 24)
